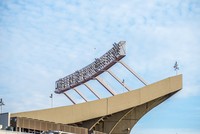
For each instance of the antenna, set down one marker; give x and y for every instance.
(176, 68)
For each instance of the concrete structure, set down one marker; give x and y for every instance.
(116, 114)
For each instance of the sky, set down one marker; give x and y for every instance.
(42, 41)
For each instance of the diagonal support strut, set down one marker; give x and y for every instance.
(114, 76)
(92, 90)
(80, 94)
(69, 98)
(106, 86)
(133, 72)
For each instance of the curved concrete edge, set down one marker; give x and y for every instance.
(98, 108)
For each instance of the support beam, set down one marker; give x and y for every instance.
(69, 98)
(96, 122)
(120, 119)
(133, 72)
(114, 76)
(133, 116)
(92, 90)
(80, 94)
(106, 86)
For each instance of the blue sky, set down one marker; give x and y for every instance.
(42, 41)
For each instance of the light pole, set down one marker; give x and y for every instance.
(1, 104)
(51, 96)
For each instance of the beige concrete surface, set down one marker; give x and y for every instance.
(103, 107)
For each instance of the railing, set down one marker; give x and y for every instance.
(11, 132)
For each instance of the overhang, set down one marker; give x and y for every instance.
(107, 106)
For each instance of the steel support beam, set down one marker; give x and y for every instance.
(80, 94)
(69, 98)
(92, 90)
(106, 86)
(133, 72)
(114, 76)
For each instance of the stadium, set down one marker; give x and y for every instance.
(112, 115)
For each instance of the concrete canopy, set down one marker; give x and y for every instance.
(116, 114)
